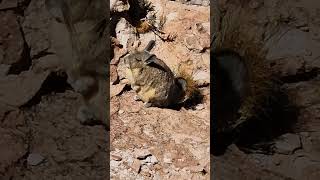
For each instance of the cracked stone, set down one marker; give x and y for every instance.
(167, 158)
(48, 62)
(113, 74)
(287, 144)
(35, 159)
(4, 69)
(199, 107)
(18, 90)
(116, 89)
(11, 40)
(121, 111)
(12, 148)
(114, 163)
(8, 4)
(37, 17)
(116, 158)
(153, 159)
(289, 66)
(201, 77)
(192, 43)
(142, 153)
(136, 165)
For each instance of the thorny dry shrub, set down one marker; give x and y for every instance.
(142, 18)
(263, 107)
(193, 92)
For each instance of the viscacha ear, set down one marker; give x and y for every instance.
(150, 59)
(150, 45)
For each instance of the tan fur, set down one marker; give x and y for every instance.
(155, 83)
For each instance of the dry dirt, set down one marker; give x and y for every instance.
(162, 143)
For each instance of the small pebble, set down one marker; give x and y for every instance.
(121, 111)
(153, 160)
(136, 165)
(167, 160)
(116, 158)
(199, 107)
(34, 159)
(142, 154)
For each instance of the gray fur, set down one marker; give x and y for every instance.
(152, 73)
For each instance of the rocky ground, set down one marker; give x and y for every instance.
(161, 143)
(290, 32)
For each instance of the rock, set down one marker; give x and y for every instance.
(11, 40)
(287, 144)
(290, 66)
(112, 3)
(196, 2)
(192, 43)
(49, 62)
(202, 27)
(304, 94)
(37, 17)
(305, 28)
(254, 4)
(116, 158)
(116, 89)
(145, 171)
(136, 165)
(150, 160)
(201, 77)
(171, 16)
(142, 153)
(167, 158)
(308, 119)
(311, 172)
(196, 169)
(153, 159)
(123, 32)
(199, 107)
(119, 6)
(4, 69)
(121, 111)
(4, 109)
(12, 148)
(35, 159)
(293, 43)
(45, 63)
(276, 160)
(121, 72)
(16, 90)
(114, 163)
(8, 4)
(113, 74)
(14, 119)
